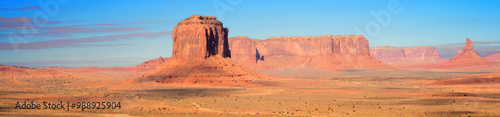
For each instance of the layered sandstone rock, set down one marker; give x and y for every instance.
(459, 51)
(468, 45)
(467, 58)
(321, 52)
(406, 55)
(200, 56)
(200, 37)
(493, 57)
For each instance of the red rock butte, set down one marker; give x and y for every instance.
(200, 56)
(467, 58)
(327, 52)
(200, 37)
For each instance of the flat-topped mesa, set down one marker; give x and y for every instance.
(200, 37)
(328, 52)
(153, 62)
(198, 19)
(318, 45)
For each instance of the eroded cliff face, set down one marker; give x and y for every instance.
(200, 37)
(406, 55)
(200, 55)
(316, 45)
(468, 45)
(321, 52)
(467, 58)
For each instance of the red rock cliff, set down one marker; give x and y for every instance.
(317, 45)
(200, 37)
(406, 55)
(322, 52)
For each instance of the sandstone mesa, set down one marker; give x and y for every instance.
(327, 52)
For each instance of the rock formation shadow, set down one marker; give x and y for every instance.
(258, 57)
(184, 92)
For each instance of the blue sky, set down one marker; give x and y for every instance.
(104, 33)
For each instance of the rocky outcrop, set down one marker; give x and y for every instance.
(327, 52)
(406, 55)
(493, 57)
(200, 56)
(459, 51)
(200, 37)
(153, 62)
(468, 45)
(467, 58)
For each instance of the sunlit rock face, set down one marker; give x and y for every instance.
(329, 52)
(200, 37)
(201, 55)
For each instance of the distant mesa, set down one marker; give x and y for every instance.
(493, 57)
(329, 52)
(407, 55)
(200, 55)
(153, 62)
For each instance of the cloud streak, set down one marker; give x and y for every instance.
(24, 23)
(19, 23)
(23, 8)
(79, 42)
(475, 42)
(68, 64)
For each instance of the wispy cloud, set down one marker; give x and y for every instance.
(70, 64)
(448, 51)
(23, 8)
(19, 23)
(67, 30)
(475, 42)
(23, 23)
(79, 42)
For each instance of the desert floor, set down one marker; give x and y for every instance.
(283, 92)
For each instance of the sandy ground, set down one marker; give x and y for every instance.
(282, 92)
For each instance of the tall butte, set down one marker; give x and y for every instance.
(200, 55)
(467, 58)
